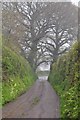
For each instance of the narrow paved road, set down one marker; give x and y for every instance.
(40, 101)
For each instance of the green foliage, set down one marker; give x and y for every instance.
(69, 104)
(64, 78)
(17, 75)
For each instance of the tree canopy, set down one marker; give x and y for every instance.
(43, 30)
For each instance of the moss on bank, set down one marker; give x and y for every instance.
(17, 75)
(65, 79)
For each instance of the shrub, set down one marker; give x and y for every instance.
(64, 78)
(17, 75)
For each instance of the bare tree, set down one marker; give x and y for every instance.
(42, 29)
(64, 30)
(12, 30)
(36, 20)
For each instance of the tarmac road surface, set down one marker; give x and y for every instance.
(41, 101)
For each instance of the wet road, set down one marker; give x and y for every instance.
(41, 101)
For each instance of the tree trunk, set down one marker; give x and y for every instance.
(32, 55)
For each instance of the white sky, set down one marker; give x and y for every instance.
(75, 1)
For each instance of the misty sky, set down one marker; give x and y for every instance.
(75, 1)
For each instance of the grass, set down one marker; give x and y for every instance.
(18, 76)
